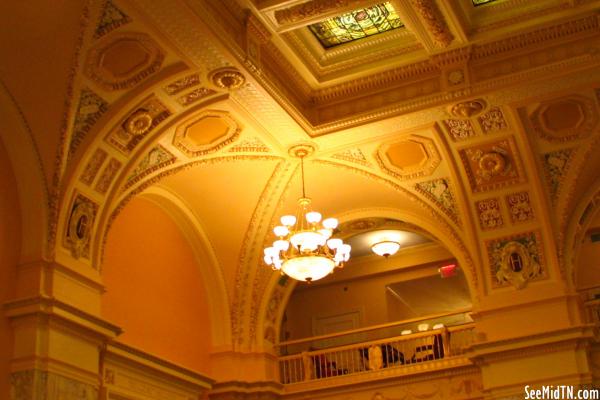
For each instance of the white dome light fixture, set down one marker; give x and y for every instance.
(304, 249)
(385, 248)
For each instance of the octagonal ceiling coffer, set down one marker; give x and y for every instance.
(409, 158)
(566, 118)
(205, 133)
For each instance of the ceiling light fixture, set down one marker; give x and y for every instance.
(304, 249)
(385, 248)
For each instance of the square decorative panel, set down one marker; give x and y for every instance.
(492, 165)
(519, 207)
(489, 214)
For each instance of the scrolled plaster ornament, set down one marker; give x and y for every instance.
(468, 109)
(79, 228)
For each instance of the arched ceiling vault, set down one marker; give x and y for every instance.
(477, 124)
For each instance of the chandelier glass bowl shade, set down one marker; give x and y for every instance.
(304, 248)
(385, 248)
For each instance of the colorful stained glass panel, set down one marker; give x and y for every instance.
(356, 25)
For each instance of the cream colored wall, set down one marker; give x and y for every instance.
(154, 287)
(367, 296)
(9, 254)
(588, 260)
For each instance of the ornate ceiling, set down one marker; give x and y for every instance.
(476, 124)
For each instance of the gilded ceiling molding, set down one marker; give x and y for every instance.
(103, 65)
(60, 162)
(588, 24)
(434, 21)
(252, 273)
(126, 196)
(182, 84)
(354, 155)
(111, 18)
(156, 159)
(568, 196)
(580, 220)
(313, 9)
(90, 108)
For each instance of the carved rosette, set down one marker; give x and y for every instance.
(227, 78)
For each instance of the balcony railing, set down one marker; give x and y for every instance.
(394, 352)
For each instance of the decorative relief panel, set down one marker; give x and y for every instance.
(93, 166)
(182, 84)
(493, 121)
(121, 61)
(410, 158)
(515, 260)
(250, 145)
(489, 214)
(556, 165)
(228, 78)
(111, 19)
(565, 119)
(273, 309)
(36, 384)
(157, 158)
(519, 207)
(459, 129)
(438, 191)
(125, 136)
(205, 133)
(91, 107)
(79, 226)
(493, 165)
(352, 155)
(109, 173)
(195, 95)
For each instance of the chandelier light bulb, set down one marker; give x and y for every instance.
(330, 223)
(334, 243)
(313, 217)
(281, 231)
(288, 220)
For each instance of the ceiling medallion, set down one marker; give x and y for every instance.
(304, 249)
(138, 123)
(227, 78)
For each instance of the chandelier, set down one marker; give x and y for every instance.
(304, 249)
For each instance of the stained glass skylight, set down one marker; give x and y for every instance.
(356, 25)
(481, 2)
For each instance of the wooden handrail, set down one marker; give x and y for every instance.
(372, 328)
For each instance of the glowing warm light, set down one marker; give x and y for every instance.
(423, 327)
(304, 249)
(386, 248)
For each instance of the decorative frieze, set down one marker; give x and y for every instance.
(489, 214)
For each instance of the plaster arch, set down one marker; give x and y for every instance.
(213, 280)
(463, 257)
(32, 186)
(583, 214)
